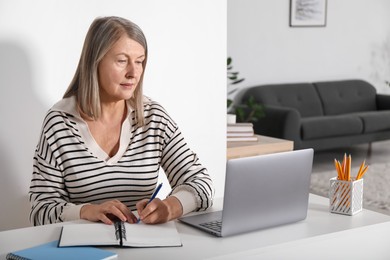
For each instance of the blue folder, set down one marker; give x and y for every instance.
(51, 251)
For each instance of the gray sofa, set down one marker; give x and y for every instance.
(322, 115)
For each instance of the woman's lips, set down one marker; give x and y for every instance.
(127, 85)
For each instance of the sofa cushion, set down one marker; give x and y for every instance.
(347, 96)
(302, 97)
(331, 126)
(375, 121)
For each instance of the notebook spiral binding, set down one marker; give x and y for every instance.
(11, 256)
(120, 231)
(123, 231)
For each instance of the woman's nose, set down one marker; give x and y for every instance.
(130, 71)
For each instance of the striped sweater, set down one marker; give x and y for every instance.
(70, 169)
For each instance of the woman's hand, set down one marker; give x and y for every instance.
(107, 211)
(159, 211)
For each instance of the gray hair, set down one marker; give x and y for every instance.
(103, 33)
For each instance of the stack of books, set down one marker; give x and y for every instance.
(240, 132)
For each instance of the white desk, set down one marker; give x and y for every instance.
(318, 230)
(368, 242)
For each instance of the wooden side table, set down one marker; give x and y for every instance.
(264, 145)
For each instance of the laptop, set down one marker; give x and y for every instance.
(260, 192)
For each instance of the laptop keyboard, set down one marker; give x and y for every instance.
(214, 225)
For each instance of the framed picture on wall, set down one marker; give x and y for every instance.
(308, 13)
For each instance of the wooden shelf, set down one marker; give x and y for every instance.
(264, 145)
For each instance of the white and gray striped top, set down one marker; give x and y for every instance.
(70, 169)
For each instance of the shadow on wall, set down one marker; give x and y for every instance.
(21, 116)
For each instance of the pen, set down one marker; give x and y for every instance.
(153, 197)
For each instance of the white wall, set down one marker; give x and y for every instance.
(354, 44)
(40, 44)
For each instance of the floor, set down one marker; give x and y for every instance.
(380, 153)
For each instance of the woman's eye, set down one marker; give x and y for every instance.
(122, 61)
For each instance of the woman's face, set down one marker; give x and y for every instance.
(120, 70)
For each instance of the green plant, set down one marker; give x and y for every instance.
(233, 79)
(251, 111)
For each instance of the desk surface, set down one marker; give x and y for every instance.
(200, 245)
(368, 242)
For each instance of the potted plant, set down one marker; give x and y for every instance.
(250, 111)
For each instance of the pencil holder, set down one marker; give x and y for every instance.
(346, 197)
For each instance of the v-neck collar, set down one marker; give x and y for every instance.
(69, 105)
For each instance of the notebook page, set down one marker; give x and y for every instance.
(159, 235)
(88, 234)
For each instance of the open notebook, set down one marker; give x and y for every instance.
(120, 234)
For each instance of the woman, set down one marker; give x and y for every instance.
(102, 145)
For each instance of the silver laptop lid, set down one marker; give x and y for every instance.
(266, 190)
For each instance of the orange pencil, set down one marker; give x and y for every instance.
(362, 173)
(349, 168)
(341, 170)
(360, 169)
(346, 169)
(344, 163)
(336, 164)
